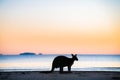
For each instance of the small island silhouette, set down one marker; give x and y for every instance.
(27, 53)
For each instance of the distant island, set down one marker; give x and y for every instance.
(40, 54)
(27, 53)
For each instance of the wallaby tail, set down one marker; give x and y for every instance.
(52, 69)
(48, 71)
(45, 72)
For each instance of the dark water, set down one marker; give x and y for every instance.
(43, 62)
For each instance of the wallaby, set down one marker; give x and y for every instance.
(62, 61)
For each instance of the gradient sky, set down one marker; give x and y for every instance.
(60, 26)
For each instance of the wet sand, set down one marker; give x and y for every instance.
(75, 75)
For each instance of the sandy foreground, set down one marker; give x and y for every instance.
(75, 75)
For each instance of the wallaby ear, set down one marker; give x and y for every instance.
(72, 54)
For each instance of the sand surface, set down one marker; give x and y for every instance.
(75, 75)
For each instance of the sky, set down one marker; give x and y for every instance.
(60, 26)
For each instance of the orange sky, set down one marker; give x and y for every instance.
(85, 27)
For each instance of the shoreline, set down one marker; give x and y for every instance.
(46, 75)
(114, 69)
(57, 71)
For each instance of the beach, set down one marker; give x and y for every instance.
(75, 75)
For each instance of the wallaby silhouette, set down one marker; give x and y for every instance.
(62, 61)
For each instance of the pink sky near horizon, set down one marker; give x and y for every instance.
(84, 27)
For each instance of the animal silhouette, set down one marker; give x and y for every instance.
(63, 61)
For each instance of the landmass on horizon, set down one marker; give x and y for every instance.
(33, 53)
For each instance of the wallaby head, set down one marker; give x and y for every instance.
(74, 57)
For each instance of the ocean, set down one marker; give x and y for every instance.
(43, 62)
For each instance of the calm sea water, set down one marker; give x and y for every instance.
(44, 62)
